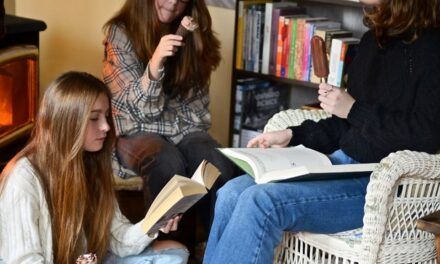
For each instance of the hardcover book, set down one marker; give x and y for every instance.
(292, 164)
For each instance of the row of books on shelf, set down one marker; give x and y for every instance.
(256, 101)
(274, 38)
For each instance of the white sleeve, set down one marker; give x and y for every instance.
(19, 217)
(125, 238)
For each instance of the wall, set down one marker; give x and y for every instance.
(73, 41)
(10, 6)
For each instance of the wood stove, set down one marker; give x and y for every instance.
(19, 86)
(18, 91)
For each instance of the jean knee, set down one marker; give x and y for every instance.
(257, 199)
(174, 256)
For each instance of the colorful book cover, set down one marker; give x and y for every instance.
(268, 31)
(305, 56)
(280, 40)
(293, 30)
(287, 35)
(342, 53)
(276, 12)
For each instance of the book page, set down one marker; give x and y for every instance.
(198, 174)
(164, 194)
(178, 208)
(271, 159)
(206, 174)
(175, 198)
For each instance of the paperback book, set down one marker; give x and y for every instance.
(178, 195)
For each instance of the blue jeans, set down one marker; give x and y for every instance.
(150, 256)
(250, 219)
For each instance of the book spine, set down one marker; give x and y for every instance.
(291, 71)
(248, 64)
(256, 40)
(286, 47)
(239, 43)
(299, 48)
(279, 45)
(341, 64)
(335, 55)
(260, 46)
(266, 38)
(306, 52)
(274, 41)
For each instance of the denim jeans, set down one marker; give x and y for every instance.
(151, 256)
(250, 219)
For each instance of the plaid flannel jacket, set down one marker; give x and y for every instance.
(139, 104)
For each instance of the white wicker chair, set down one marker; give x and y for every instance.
(404, 187)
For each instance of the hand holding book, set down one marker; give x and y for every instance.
(176, 197)
(171, 225)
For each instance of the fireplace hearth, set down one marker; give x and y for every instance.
(19, 85)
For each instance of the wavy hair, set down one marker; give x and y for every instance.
(191, 67)
(78, 184)
(402, 18)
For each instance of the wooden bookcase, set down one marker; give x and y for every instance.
(348, 12)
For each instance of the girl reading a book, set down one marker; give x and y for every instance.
(159, 82)
(56, 195)
(392, 103)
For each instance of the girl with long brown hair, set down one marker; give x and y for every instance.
(159, 82)
(392, 103)
(56, 195)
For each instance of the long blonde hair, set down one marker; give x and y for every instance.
(191, 67)
(78, 184)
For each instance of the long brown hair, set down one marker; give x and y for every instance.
(78, 184)
(191, 67)
(402, 18)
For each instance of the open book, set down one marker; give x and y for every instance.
(292, 163)
(178, 195)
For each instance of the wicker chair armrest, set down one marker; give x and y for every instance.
(381, 190)
(293, 117)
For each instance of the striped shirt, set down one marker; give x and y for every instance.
(139, 104)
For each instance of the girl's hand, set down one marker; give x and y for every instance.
(276, 139)
(167, 47)
(171, 225)
(335, 101)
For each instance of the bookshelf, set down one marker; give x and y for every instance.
(348, 12)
